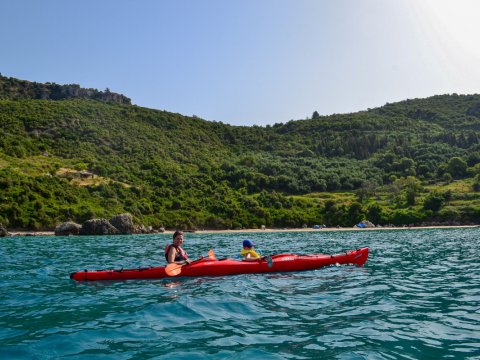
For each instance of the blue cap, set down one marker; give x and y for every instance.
(247, 243)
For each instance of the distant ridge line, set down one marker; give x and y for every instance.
(12, 88)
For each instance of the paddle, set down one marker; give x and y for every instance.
(269, 260)
(174, 269)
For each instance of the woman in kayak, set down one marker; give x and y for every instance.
(174, 252)
(248, 252)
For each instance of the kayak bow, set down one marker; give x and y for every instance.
(210, 267)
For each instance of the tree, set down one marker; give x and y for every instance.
(413, 187)
(367, 189)
(447, 178)
(355, 213)
(315, 115)
(405, 166)
(434, 202)
(394, 189)
(374, 213)
(476, 183)
(457, 167)
(473, 158)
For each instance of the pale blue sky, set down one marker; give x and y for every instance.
(246, 62)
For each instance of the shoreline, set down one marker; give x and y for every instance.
(333, 229)
(267, 230)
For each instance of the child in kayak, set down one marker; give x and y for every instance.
(248, 252)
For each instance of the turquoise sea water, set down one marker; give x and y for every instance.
(417, 297)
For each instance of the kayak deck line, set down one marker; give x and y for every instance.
(209, 267)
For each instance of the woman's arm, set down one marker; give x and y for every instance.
(172, 252)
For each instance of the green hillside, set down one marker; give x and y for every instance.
(87, 154)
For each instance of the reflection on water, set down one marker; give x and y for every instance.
(171, 284)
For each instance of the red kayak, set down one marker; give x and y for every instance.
(209, 267)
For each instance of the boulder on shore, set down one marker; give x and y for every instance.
(141, 229)
(68, 228)
(3, 231)
(98, 227)
(124, 224)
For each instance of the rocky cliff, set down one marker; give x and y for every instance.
(11, 88)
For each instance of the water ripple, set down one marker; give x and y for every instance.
(417, 297)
